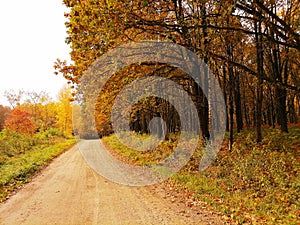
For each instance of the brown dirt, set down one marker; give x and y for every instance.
(70, 192)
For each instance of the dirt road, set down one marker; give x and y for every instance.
(70, 192)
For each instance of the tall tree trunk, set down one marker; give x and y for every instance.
(231, 109)
(231, 83)
(204, 111)
(225, 97)
(238, 107)
(259, 89)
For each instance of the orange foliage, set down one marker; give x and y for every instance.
(19, 121)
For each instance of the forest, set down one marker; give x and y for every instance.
(252, 48)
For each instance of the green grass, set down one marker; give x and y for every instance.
(135, 157)
(253, 184)
(17, 167)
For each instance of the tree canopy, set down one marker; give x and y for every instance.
(252, 47)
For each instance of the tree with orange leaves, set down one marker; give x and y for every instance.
(19, 121)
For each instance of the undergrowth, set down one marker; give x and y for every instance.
(136, 157)
(253, 184)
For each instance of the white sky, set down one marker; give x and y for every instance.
(32, 35)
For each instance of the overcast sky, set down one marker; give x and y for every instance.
(31, 38)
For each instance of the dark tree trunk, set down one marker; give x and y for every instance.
(204, 111)
(259, 89)
(281, 109)
(231, 97)
(291, 109)
(238, 107)
(225, 97)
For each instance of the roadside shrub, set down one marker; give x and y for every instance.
(13, 143)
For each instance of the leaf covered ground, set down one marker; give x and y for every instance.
(253, 184)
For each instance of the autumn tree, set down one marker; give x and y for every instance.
(64, 111)
(37, 104)
(19, 121)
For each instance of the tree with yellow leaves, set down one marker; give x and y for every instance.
(64, 111)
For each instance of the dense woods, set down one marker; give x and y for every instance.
(252, 48)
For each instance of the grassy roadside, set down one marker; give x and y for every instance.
(253, 184)
(17, 169)
(131, 156)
